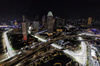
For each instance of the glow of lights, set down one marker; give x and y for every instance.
(94, 30)
(41, 39)
(56, 46)
(25, 38)
(11, 52)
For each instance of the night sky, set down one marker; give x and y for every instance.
(73, 9)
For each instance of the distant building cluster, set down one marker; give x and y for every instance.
(49, 23)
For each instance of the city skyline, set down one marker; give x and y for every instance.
(49, 33)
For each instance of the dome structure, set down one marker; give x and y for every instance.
(50, 13)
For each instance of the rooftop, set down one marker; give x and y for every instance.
(50, 13)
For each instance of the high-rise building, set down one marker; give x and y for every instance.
(23, 17)
(59, 22)
(36, 25)
(29, 24)
(43, 20)
(89, 21)
(50, 22)
(12, 23)
(63, 22)
(16, 23)
(24, 30)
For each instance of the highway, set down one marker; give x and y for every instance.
(18, 58)
(27, 54)
(34, 58)
(41, 39)
(41, 32)
(89, 34)
(80, 56)
(92, 61)
(10, 50)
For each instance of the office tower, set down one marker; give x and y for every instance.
(37, 17)
(16, 23)
(50, 22)
(89, 21)
(54, 22)
(29, 24)
(43, 20)
(23, 17)
(12, 23)
(63, 22)
(57, 22)
(36, 25)
(24, 30)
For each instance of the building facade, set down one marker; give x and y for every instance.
(89, 21)
(24, 30)
(50, 22)
(36, 25)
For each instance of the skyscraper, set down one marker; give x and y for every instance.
(43, 20)
(23, 17)
(36, 25)
(89, 21)
(50, 22)
(24, 30)
(16, 23)
(59, 22)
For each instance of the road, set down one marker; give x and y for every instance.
(34, 58)
(89, 34)
(80, 56)
(41, 32)
(10, 50)
(92, 61)
(39, 38)
(18, 58)
(3, 57)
